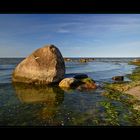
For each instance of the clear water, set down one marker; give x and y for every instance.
(48, 106)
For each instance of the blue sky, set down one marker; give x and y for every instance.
(76, 35)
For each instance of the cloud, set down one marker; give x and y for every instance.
(70, 32)
(63, 31)
(86, 25)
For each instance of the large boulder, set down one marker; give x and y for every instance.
(44, 66)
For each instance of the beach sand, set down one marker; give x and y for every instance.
(135, 91)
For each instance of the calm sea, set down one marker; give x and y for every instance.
(49, 106)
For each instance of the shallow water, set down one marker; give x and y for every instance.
(24, 105)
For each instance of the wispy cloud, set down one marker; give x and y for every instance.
(63, 31)
(72, 32)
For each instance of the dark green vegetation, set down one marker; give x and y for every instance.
(121, 108)
(136, 74)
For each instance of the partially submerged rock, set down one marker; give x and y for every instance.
(118, 78)
(135, 62)
(80, 84)
(69, 83)
(83, 60)
(67, 59)
(44, 66)
(80, 76)
(88, 84)
(88, 80)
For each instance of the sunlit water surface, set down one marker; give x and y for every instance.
(25, 105)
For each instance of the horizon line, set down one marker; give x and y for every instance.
(86, 57)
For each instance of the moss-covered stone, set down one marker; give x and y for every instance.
(87, 80)
(88, 83)
(135, 62)
(135, 76)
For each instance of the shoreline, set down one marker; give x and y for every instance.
(115, 107)
(129, 86)
(128, 89)
(123, 97)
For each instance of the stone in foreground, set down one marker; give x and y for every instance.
(69, 83)
(88, 84)
(44, 66)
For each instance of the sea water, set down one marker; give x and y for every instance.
(51, 106)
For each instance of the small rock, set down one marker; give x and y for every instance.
(82, 60)
(136, 60)
(67, 59)
(87, 80)
(80, 76)
(88, 83)
(118, 78)
(88, 86)
(69, 83)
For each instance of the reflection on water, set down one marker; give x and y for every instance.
(37, 106)
(52, 106)
(33, 94)
(26, 105)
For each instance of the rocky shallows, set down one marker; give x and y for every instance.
(127, 96)
(80, 82)
(126, 87)
(80, 60)
(46, 66)
(135, 62)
